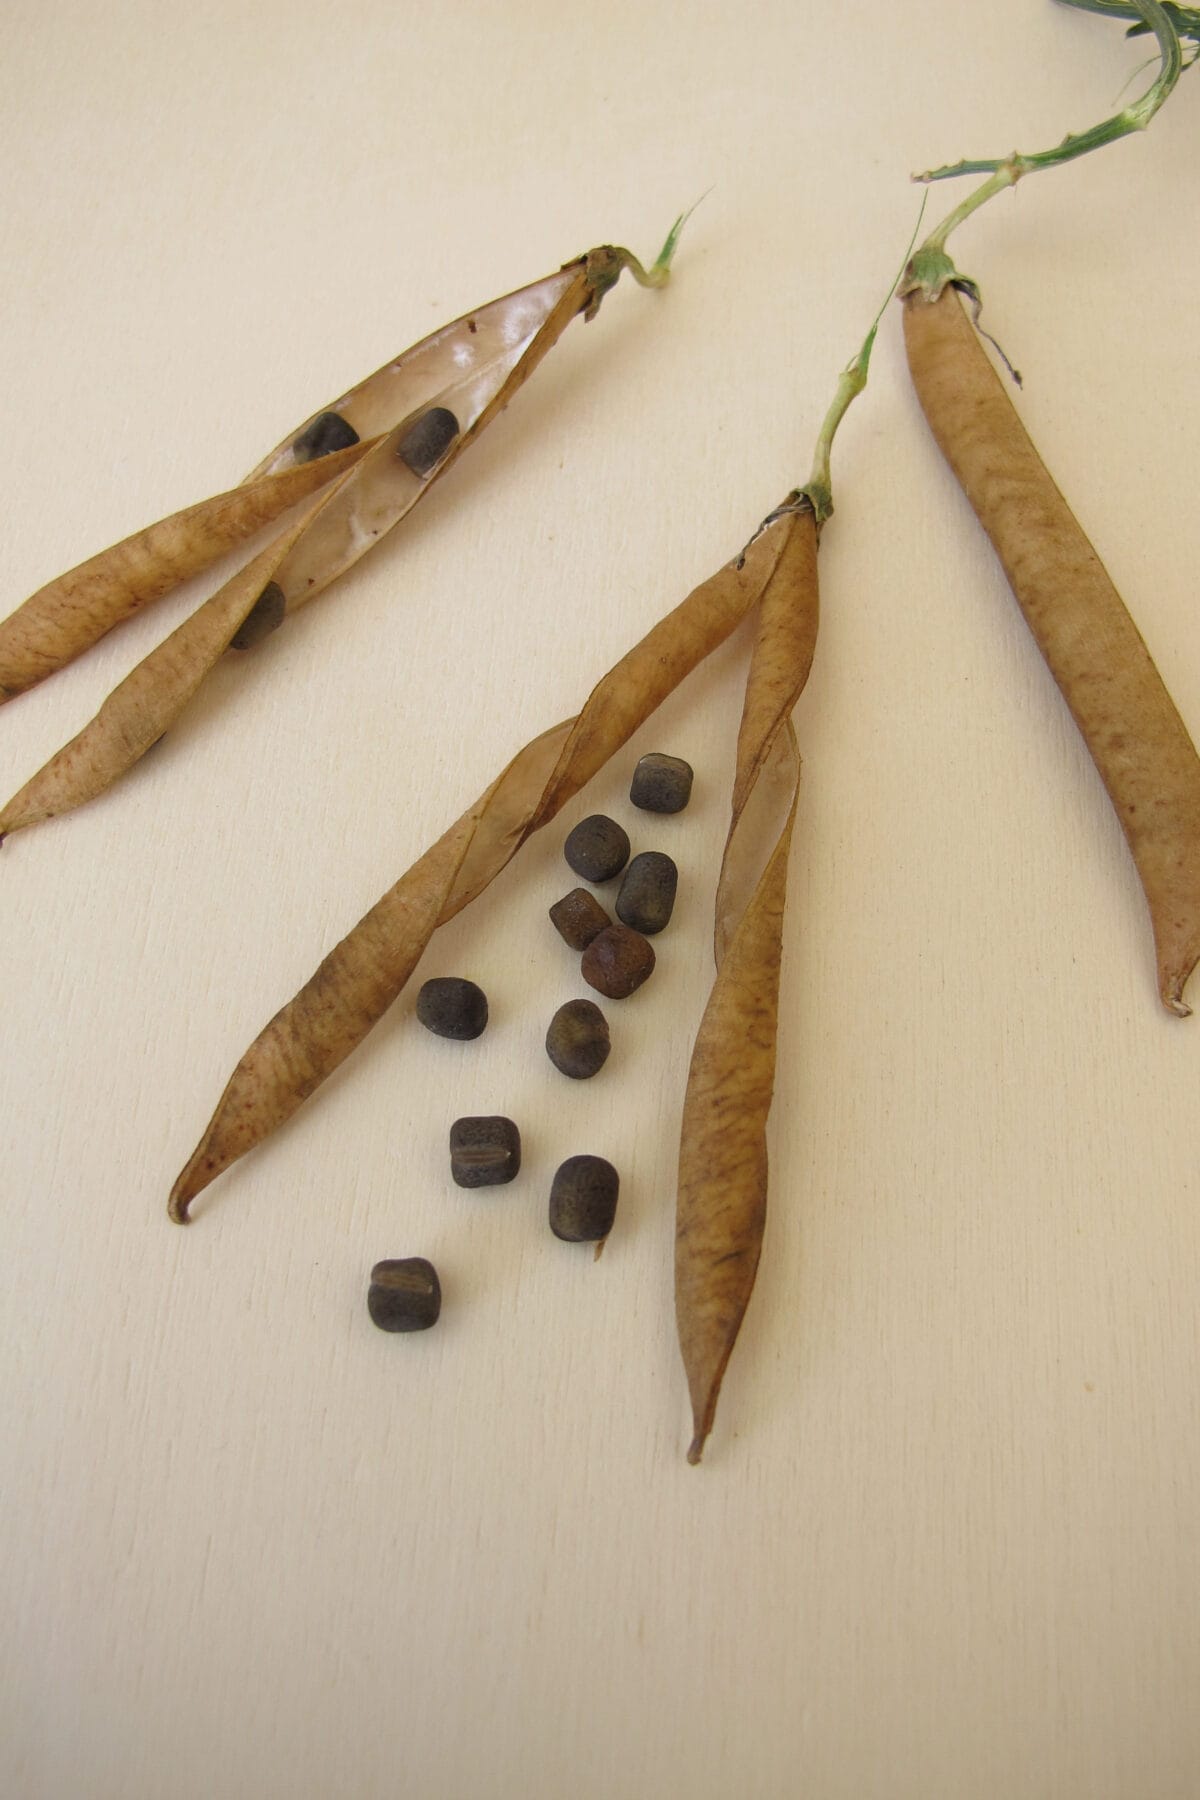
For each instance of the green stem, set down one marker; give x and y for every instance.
(931, 268)
(1186, 19)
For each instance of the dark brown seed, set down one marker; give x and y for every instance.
(583, 1199)
(451, 1007)
(661, 784)
(647, 896)
(617, 962)
(484, 1152)
(579, 917)
(405, 1294)
(264, 617)
(327, 433)
(597, 848)
(577, 1041)
(427, 440)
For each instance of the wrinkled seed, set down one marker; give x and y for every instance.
(452, 1007)
(405, 1294)
(597, 848)
(327, 433)
(484, 1151)
(578, 1041)
(427, 440)
(661, 784)
(583, 1199)
(579, 917)
(617, 962)
(647, 895)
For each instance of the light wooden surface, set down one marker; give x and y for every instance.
(944, 1541)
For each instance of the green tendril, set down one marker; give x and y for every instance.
(932, 268)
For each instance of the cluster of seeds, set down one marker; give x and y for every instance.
(485, 1151)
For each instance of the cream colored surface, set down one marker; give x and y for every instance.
(944, 1540)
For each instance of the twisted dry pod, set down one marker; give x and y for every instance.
(364, 974)
(379, 449)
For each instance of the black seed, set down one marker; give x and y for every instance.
(617, 962)
(264, 617)
(577, 1041)
(452, 1007)
(327, 433)
(647, 895)
(583, 1199)
(579, 917)
(404, 1295)
(484, 1152)
(597, 848)
(427, 440)
(661, 784)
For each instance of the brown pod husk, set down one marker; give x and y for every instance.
(367, 971)
(722, 1197)
(1130, 724)
(73, 612)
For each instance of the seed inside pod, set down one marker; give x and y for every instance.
(427, 440)
(617, 962)
(451, 1007)
(327, 433)
(578, 1042)
(405, 1294)
(647, 895)
(484, 1151)
(661, 784)
(597, 848)
(583, 1199)
(264, 617)
(579, 917)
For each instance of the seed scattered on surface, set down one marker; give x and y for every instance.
(661, 784)
(405, 1294)
(617, 962)
(327, 433)
(427, 440)
(583, 1199)
(579, 917)
(597, 848)
(264, 617)
(451, 1007)
(484, 1152)
(578, 1042)
(647, 896)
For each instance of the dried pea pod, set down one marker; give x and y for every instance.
(365, 973)
(420, 412)
(721, 1204)
(73, 612)
(1093, 648)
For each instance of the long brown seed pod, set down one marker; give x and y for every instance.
(1137, 740)
(73, 612)
(454, 383)
(721, 1208)
(364, 974)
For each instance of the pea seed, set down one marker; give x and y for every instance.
(327, 433)
(617, 962)
(484, 1152)
(647, 895)
(451, 1007)
(577, 1041)
(583, 1199)
(579, 917)
(427, 440)
(264, 617)
(597, 848)
(405, 1294)
(661, 784)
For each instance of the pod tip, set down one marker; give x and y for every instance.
(696, 1449)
